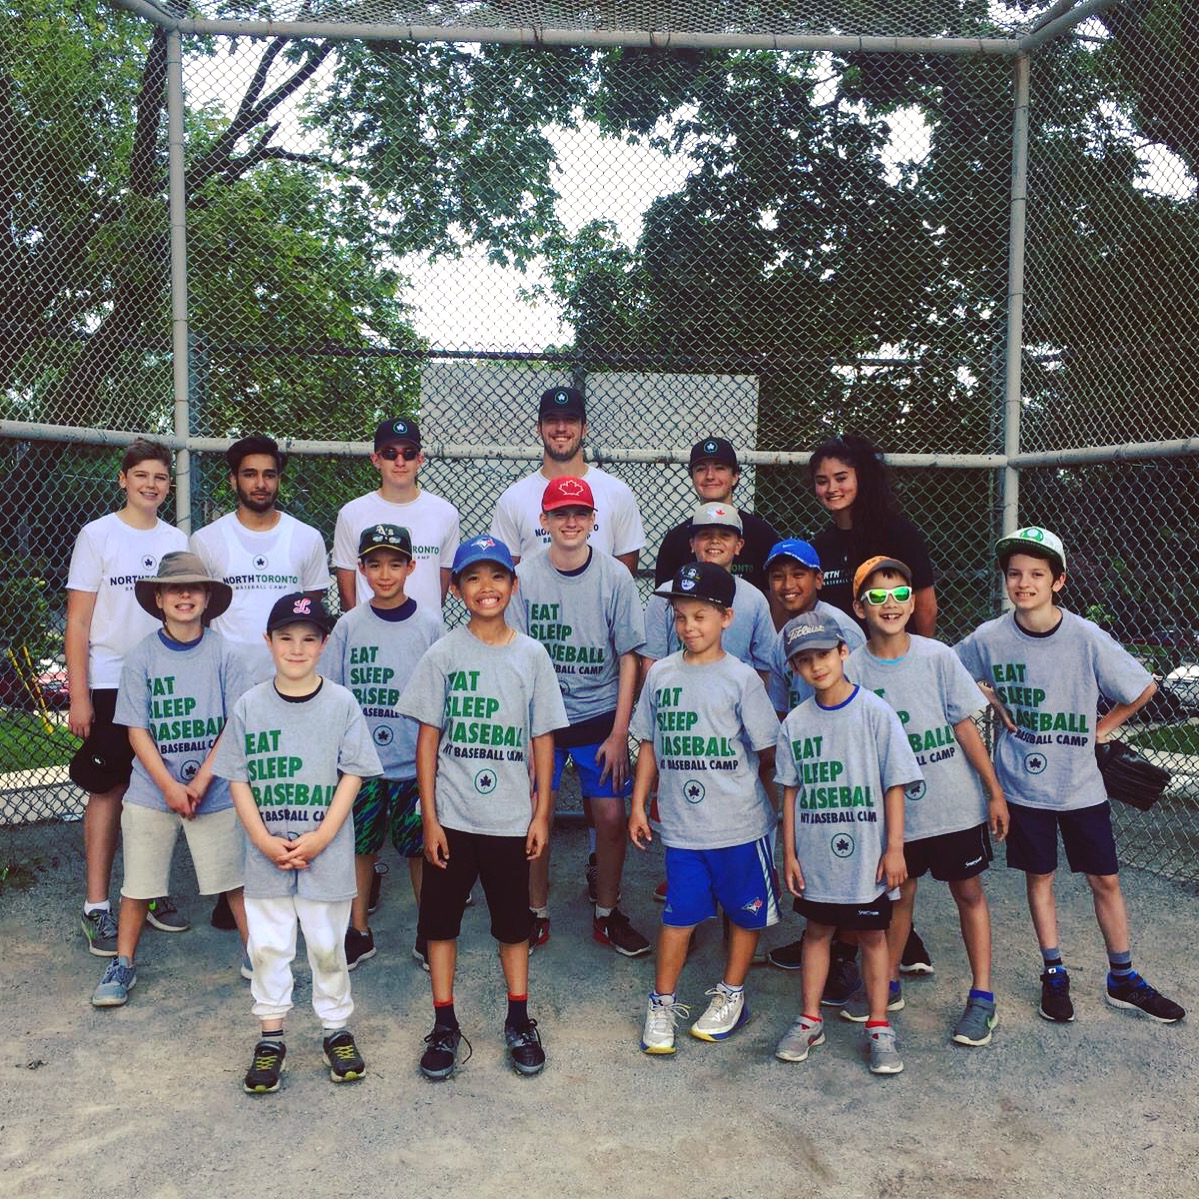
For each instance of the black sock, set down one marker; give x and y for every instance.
(443, 1015)
(518, 1011)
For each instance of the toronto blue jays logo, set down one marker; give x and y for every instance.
(843, 845)
(754, 905)
(485, 543)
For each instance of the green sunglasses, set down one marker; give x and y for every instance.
(877, 596)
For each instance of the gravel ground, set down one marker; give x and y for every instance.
(146, 1100)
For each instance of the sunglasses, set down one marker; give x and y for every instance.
(877, 596)
(391, 453)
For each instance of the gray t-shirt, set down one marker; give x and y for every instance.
(489, 702)
(787, 689)
(586, 621)
(931, 691)
(292, 755)
(708, 723)
(181, 694)
(375, 657)
(1051, 685)
(843, 760)
(749, 638)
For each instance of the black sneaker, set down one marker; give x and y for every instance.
(166, 917)
(915, 959)
(376, 884)
(615, 930)
(1135, 993)
(222, 914)
(787, 957)
(843, 976)
(590, 872)
(539, 931)
(441, 1055)
(359, 947)
(420, 952)
(524, 1047)
(263, 1075)
(342, 1057)
(1055, 996)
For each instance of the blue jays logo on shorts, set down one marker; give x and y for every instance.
(149, 562)
(261, 562)
(1035, 763)
(843, 845)
(693, 791)
(383, 735)
(485, 782)
(189, 770)
(915, 790)
(754, 905)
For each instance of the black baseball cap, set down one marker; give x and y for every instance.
(298, 608)
(385, 537)
(713, 449)
(402, 428)
(702, 581)
(562, 401)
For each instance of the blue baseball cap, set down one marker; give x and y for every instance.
(792, 547)
(484, 548)
(810, 631)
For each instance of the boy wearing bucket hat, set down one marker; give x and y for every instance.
(1049, 668)
(177, 686)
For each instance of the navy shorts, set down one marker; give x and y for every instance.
(105, 760)
(1086, 836)
(583, 756)
(860, 917)
(950, 857)
(383, 804)
(740, 878)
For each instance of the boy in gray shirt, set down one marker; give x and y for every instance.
(1048, 669)
(706, 731)
(295, 753)
(843, 762)
(488, 702)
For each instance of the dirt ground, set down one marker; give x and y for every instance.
(146, 1100)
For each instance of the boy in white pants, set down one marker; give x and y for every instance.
(295, 752)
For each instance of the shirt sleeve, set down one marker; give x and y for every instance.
(758, 717)
(786, 774)
(959, 691)
(547, 712)
(314, 569)
(516, 615)
(424, 697)
(133, 694)
(779, 686)
(1119, 675)
(198, 545)
(503, 523)
(641, 727)
(230, 761)
(657, 628)
(897, 763)
(449, 543)
(762, 639)
(968, 652)
(628, 624)
(332, 663)
(87, 563)
(356, 754)
(235, 677)
(345, 545)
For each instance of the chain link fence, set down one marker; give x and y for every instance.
(771, 240)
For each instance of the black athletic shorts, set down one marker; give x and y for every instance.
(105, 759)
(499, 863)
(876, 913)
(1086, 837)
(950, 857)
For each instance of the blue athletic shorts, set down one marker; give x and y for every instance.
(740, 878)
(583, 756)
(1086, 837)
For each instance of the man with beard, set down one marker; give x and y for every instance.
(260, 552)
(562, 426)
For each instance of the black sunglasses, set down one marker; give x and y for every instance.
(391, 453)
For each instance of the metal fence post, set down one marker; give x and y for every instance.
(177, 199)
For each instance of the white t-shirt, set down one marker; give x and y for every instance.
(433, 524)
(517, 519)
(260, 567)
(109, 557)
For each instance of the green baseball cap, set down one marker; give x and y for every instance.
(1033, 538)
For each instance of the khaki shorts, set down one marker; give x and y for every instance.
(148, 837)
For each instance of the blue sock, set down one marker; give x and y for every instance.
(988, 996)
(731, 989)
(893, 986)
(1121, 966)
(663, 996)
(1053, 959)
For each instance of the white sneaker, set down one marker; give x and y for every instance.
(884, 1056)
(726, 1013)
(657, 1034)
(803, 1036)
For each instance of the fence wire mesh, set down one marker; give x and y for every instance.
(771, 246)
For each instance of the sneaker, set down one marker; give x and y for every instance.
(590, 871)
(979, 1018)
(884, 1056)
(246, 970)
(915, 959)
(524, 1048)
(660, 892)
(843, 977)
(802, 1037)
(1136, 994)
(615, 930)
(342, 1057)
(726, 1013)
(470, 898)
(857, 1009)
(787, 957)
(657, 1033)
(420, 952)
(539, 933)
(166, 917)
(1055, 996)
(222, 914)
(100, 929)
(119, 979)
(372, 900)
(441, 1055)
(263, 1075)
(359, 947)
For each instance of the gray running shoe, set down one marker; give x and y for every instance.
(857, 1010)
(100, 929)
(166, 917)
(884, 1056)
(979, 1018)
(113, 989)
(803, 1036)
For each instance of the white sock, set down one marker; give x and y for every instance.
(601, 913)
(89, 908)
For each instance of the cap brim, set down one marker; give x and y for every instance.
(815, 643)
(220, 595)
(399, 549)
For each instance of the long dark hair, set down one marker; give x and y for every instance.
(874, 504)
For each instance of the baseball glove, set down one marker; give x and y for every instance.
(1129, 777)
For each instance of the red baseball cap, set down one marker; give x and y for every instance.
(567, 492)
